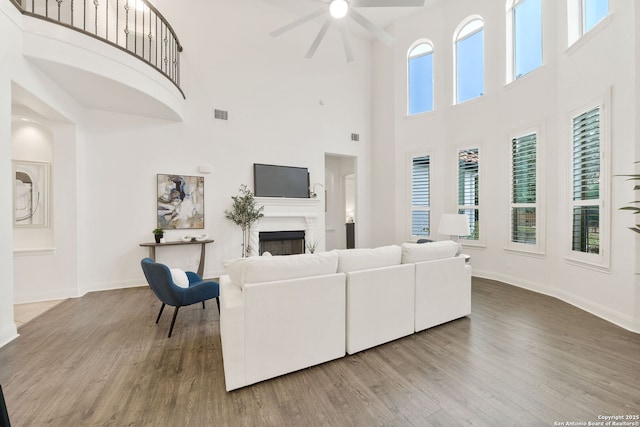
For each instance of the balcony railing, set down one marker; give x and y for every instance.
(133, 26)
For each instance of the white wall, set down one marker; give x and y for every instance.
(283, 109)
(568, 79)
(7, 50)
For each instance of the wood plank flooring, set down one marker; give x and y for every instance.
(520, 359)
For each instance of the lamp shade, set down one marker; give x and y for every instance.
(454, 225)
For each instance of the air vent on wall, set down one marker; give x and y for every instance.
(355, 137)
(221, 114)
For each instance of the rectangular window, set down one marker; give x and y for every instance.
(527, 37)
(524, 189)
(421, 83)
(470, 67)
(593, 11)
(469, 190)
(586, 182)
(420, 196)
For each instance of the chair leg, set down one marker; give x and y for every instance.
(218, 302)
(160, 314)
(173, 321)
(203, 305)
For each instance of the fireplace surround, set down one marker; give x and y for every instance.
(283, 215)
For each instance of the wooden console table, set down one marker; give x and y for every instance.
(153, 245)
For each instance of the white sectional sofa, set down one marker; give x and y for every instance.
(284, 313)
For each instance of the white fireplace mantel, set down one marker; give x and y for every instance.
(285, 214)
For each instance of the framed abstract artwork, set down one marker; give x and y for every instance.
(180, 201)
(31, 194)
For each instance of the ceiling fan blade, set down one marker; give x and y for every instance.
(387, 3)
(380, 34)
(319, 37)
(298, 22)
(346, 41)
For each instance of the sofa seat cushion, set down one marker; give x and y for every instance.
(365, 259)
(268, 269)
(419, 252)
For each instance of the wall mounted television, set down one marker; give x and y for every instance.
(280, 181)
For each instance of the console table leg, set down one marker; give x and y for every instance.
(201, 265)
(152, 252)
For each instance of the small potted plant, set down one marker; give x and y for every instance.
(159, 234)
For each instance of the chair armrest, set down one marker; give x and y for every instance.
(193, 277)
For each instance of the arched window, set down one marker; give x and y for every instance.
(524, 22)
(583, 15)
(420, 76)
(469, 57)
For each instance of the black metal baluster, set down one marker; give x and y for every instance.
(135, 27)
(126, 26)
(95, 25)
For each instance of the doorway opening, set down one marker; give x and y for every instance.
(340, 201)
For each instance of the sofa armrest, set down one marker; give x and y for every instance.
(232, 333)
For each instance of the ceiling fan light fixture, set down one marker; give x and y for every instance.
(339, 8)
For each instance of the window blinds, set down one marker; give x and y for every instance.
(523, 189)
(469, 189)
(586, 182)
(420, 195)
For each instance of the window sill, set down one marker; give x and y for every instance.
(530, 75)
(589, 265)
(472, 244)
(34, 251)
(586, 37)
(419, 115)
(469, 102)
(525, 252)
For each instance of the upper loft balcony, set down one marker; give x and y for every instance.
(112, 55)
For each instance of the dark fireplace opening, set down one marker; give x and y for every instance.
(281, 242)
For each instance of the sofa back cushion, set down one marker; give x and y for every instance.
(364, 259)
(418, 252)
(268, 269)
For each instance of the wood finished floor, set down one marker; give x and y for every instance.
(520, 359)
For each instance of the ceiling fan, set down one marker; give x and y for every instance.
(336, 10)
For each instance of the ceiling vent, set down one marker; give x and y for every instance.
(355, 137)
(220, 114)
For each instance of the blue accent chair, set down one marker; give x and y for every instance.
(4, 415)
(159, 278)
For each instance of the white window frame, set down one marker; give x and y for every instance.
(409, 57)
(456, 39)
(600, 261)
(411, 157)
(539, 247)
(465, 241)
(511, 44)
(576, 20)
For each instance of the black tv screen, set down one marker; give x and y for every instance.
(280, 181)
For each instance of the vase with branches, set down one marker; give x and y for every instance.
(635, 209)
(244, 213)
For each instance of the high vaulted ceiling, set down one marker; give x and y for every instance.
(383, 17)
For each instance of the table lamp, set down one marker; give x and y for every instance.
(454, 225)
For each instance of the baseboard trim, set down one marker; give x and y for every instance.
(620, 319)
(8, 334)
